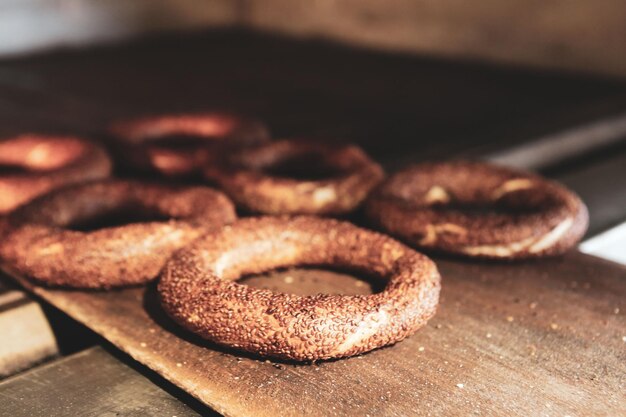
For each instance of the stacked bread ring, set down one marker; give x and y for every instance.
(191, 238)
(39, 163)
(179, 145)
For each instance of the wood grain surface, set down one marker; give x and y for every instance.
(538, 338)
(92, 383)
(27, 337)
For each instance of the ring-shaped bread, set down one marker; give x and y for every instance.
(181, 144)
(249, 178)
(45, 242)
(198, 289)
(478, 209)
(33, 164)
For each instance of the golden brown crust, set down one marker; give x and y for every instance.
(41, 245)
(197, 289)
(243, 179)
(138, 140)
(536, 217)
(46, 162)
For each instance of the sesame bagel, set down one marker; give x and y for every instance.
(179, 144)
(33, 164)
(198, 289)
(479, 210)
(43, 241)
(252, 178)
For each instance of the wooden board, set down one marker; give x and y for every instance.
(533, 338)
(602, 187)
(562, 147)
(89, 383)
(27, 338)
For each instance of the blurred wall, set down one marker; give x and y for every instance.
(579, 35)
(31, 25)
(588, 35)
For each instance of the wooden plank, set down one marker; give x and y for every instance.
(601, 185)
(89, 383)
(535, 338)
(546, 151)
(27, 337)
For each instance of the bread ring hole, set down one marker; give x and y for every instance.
(184, 142)
(302, 167)
(116, 217)
(487, 208)
(528, 201)
(476, 209)
(315, 280)
(12, 169)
